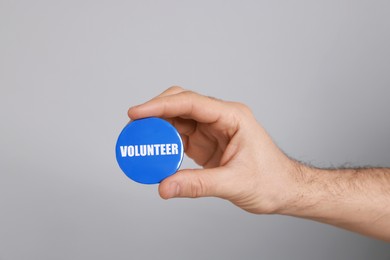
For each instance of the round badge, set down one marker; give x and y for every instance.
(148, 150)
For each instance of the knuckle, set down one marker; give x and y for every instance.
(189, 93)
(175, 88)
(189, 96)
(197, 188)
(240, 113)
(242, 107)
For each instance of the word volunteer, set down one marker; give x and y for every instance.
(149, 150)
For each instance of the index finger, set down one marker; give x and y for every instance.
(186, 104)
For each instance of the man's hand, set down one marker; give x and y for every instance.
(240, 161)
(243, 165)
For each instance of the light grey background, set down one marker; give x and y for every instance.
(315, 73)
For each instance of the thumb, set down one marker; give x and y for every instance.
(192, 183)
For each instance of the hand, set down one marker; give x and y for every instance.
(240, 162)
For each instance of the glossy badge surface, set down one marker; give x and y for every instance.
(149, 150)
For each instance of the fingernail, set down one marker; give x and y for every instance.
(174, 190)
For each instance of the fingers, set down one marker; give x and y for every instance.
(169, 91)
(183, 126)
(192, 184)
(184, 104)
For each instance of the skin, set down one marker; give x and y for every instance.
(242, 164)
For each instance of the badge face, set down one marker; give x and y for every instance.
(148, 150)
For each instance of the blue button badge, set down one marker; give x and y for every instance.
(149, 150)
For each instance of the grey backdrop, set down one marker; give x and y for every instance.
(315, 73)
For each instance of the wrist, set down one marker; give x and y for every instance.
(294, 191)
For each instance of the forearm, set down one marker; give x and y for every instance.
(354, 199)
